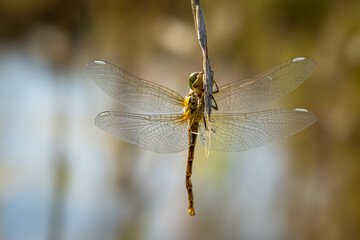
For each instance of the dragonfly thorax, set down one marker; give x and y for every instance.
(193, 110)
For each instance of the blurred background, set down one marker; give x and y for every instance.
(63, 178)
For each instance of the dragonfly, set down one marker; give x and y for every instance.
(171, 123)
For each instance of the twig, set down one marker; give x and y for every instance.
(208, 74)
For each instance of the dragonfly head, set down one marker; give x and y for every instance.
(193, 77)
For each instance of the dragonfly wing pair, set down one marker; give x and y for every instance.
(167, 132)
(230, 132)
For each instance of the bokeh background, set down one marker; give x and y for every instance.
(62, 178)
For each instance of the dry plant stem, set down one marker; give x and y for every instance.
(201, 33)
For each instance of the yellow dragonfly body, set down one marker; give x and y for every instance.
(171, 123)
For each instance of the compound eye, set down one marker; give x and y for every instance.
(193, 78)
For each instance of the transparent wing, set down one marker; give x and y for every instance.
(265, 87)
(161, 133)
(132, 91)
(234, 132)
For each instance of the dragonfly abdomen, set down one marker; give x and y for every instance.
(192, 142)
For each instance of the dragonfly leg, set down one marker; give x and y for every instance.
(198, 81)
(204, 120)
(214, 101)
(216, 90)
